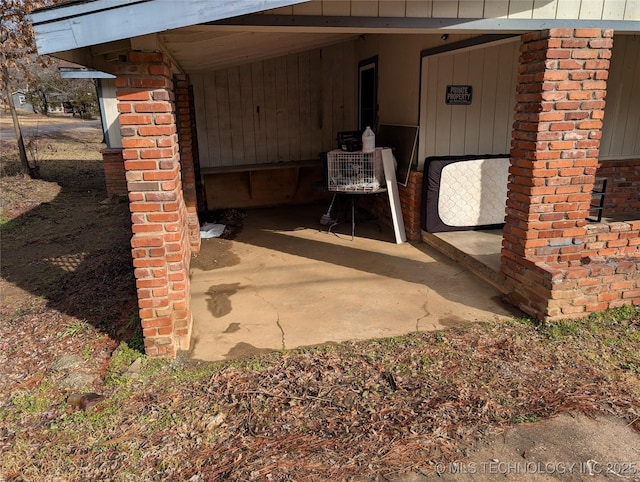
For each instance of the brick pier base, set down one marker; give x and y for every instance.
(114, 173)
(561, 89)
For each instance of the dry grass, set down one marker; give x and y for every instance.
(29, 119)
(379, 407)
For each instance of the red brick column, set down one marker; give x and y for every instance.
(411, 202)
(114, 174)
(554, 157)
(185, 116)
(160, 244)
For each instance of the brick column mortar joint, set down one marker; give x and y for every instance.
(145, 92)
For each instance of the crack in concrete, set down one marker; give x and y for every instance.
(425, 307)
(281, 330)
(277, 317)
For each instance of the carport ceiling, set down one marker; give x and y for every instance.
(203, 47)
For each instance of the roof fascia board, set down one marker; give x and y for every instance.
(417, 25)
(101, 21)
(60, 11)
(71, 73)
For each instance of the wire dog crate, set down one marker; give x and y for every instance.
(355, 171)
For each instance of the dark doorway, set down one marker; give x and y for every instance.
(368, 93)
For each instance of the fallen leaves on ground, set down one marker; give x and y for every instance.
(328, 413)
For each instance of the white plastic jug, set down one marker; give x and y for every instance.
(368, 140)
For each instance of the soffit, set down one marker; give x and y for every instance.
(202, 48)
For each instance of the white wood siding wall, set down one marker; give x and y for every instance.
(621, 129)
(109, 113)
(284, 109)
(484, 127)
(531, 9)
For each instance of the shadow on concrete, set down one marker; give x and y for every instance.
(269, 227)
(298, 285)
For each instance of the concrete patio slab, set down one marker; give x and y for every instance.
(285, 282)
(478, 251)
(482, 245)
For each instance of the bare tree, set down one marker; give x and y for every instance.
(43, 82)
(17, 51)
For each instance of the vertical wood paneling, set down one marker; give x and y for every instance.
(350, 88)
(276, 110)
(445, 9)
(428, 111)
(505, 97)
(616, 104)
(443, 111)
(212, 141)
(248, 127)
(496, 9)
(336, 8)
(304, 93)
(520, 8)
(636, 146)
(315, 101)
(459, 112)
(470, 9)
(620, 132)
(561, 9)
(632, 10)
(224, 118)
(308, 8)
(282, 109)
(364, 8)
(488, 102)
(293, 107)
(484, 127)
(327, 99)
(235, 113)
(271, 109)
(591, 9)
(614, 9)
(567, 9)
(337, 89)
(472, 121)
(614, 99)
(282, 11)
(515, 56)
(259, 111)
(633, 114)
(544, 9)
(109, 106)
(202, 130)
(391, 8)
(419, 8)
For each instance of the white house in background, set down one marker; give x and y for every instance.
(20, 101)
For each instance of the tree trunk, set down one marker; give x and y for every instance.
(45, 103)
(27, 169)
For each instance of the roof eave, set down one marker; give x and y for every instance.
(77, 25)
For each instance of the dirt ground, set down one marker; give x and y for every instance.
(432, 406)
(55, 269)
